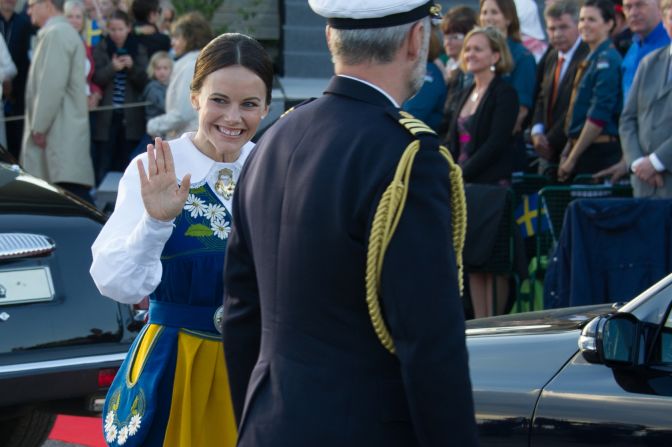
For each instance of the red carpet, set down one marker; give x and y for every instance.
(79, 430)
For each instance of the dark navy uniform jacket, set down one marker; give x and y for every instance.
(296, 322)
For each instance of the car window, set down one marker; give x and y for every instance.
(666, 341)
(652, 309)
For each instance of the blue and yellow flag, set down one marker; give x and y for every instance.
(527, 215)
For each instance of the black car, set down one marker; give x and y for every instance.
(582, 376)
(61, 342)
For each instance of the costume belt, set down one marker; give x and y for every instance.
(197, 318)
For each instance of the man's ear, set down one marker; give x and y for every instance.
(327, 34)
(415, 40)
(194, 101)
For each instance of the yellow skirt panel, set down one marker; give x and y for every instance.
(201, 413)
(143, 350)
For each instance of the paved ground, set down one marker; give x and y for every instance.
(59, 444)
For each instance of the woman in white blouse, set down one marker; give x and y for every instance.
(166, 239)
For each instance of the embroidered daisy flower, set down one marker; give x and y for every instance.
(111, 434)
(194, 205)
(109, 420)
(123, 436)
(134, 425)
(213, 212)
(221, 228)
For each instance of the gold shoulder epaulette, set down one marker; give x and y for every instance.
(291, 109)
(414, 125)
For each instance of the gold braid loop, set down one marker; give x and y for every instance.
(385, 221)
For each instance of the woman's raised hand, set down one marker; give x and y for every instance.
(162, 196)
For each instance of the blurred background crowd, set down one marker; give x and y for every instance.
(576, 92)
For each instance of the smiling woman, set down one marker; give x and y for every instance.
(167, 238)
(231, 104)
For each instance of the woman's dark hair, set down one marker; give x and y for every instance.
(606, 8)
(194, 29)
(508, 8)
(232, 49)
(141, 9)
(435, 47)
(460, 19)
(118, 14)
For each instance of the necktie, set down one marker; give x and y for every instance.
(556, 86)
(575, 89)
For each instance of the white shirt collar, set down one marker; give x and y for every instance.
(387, 95)
(188, 158)
(570, 54)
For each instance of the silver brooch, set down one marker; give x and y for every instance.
(225, 184)
(218, 319)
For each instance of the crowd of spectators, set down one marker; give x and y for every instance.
(594, 103)
(120, 89)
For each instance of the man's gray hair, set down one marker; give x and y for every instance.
(356, 46)
(58, 4)
(561, 7)
(69, 5)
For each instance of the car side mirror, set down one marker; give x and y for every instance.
(615, 340)
(620, 343)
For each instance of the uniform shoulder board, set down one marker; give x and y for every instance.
(604, 60)
(602, 63)
(412, 124)
(291, 109)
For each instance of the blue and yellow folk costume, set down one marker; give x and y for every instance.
(173, 389)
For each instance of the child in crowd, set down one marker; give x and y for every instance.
(159, 70)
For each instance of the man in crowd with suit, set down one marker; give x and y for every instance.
(548, 130)
(645, 126)
(300, 325)
(644, 20)
(56, 138)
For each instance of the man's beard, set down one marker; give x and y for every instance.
(420, 68)
(417, 77)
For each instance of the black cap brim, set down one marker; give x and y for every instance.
(429, 9)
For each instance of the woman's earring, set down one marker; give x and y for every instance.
(492, 68)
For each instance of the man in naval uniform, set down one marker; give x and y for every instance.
(319, 353)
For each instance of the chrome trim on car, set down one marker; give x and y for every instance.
(19, 245)
(64, 363)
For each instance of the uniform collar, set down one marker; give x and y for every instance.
(361, 90)
(603, 46)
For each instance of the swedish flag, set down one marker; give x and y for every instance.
(527, 214)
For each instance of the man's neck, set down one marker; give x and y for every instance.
(50, 18)
(385, 76)
(646, 34)
(6, 14)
